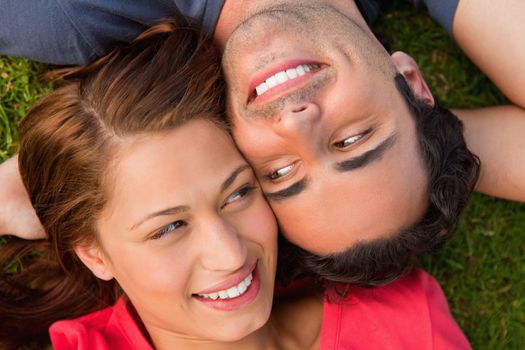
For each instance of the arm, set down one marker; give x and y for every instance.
(17, 216)
(497, 136)
(491, 33)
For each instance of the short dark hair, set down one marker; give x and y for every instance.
(452, 172)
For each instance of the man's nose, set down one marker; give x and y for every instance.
(297, 120)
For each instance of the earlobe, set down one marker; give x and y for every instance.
(92, 256)
(406, 66)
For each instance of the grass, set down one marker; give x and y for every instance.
(19, 89)
(482, 270)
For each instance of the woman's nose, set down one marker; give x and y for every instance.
(222, 247)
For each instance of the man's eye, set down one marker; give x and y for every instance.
(167, 229)
(349, 141)
(277, 174)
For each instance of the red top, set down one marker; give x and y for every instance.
(411, 313)
(112, 328)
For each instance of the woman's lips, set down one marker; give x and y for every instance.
(235, 296)
(230, 282)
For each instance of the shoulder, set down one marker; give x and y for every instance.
(78, 31)
(110, 328)
(417, 286)
(411, 313)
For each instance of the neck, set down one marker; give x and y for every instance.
(234, 12)
(258, 340)
(293, 325)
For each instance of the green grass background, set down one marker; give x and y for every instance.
(482, 270)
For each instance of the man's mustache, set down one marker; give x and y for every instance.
(306, 93)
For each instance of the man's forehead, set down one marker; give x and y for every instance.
(344, 214)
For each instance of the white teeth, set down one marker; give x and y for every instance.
(242, 287)
(291, 73)
(232, 292)
(271, 81)
(261, 89)
(282, 77)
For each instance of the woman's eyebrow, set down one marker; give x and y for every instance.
(368, 157)
(169, 211)
(182, 208)
(230, 179)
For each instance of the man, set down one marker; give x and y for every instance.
(334, 146)
(328, 153)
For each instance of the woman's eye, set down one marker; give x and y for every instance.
(349, 141)
(239, 194)
(167, 229)
(277, 174)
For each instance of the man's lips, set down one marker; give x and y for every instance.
(281, 78)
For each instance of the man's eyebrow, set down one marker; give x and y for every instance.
(169, 211)
(288, 192)
(182, 208)
(367, 157)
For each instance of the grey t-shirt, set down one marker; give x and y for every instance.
(442, 11)
(77, 31)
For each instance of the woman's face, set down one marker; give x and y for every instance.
(188, 235)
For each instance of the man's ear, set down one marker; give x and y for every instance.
(93, 257)
(409, 69)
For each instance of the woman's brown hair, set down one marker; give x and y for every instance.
(166, 77)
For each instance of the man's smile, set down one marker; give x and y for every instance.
(281, 78)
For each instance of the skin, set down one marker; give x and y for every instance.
(502, 171)
(224, 227)
(498, 28)
(299, 127)
(17, 204)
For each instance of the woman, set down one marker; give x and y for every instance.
(134, 176)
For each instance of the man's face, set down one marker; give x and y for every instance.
(316, 113)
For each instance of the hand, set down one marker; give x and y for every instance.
(17, 216)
